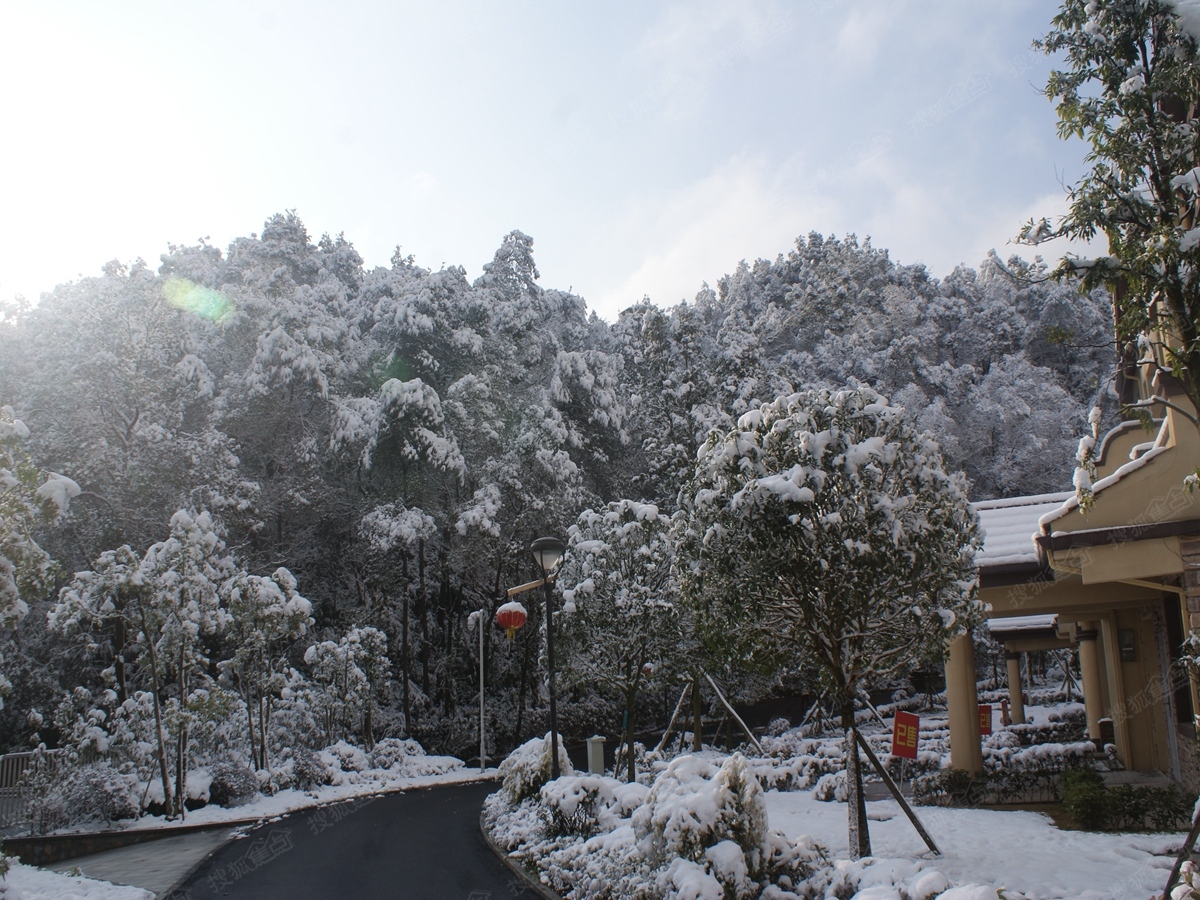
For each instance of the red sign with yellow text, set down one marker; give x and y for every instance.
(904, 735)
(985, 718)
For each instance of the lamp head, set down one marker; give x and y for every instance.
(548, 551)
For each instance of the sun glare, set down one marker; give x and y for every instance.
(195, 298)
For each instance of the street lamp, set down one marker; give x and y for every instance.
(548, 552)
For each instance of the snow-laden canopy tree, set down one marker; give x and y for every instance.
(620, 625)
(825, 527)
(166, 604)
(26, 502)
(1130, 86)
(346, 675)
(265, 614)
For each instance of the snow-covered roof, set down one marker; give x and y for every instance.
(1022, 623)
(1072, 502)
(1009, 526)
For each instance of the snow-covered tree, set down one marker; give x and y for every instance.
(824, 524)
(620, 623)
(1130, 86)
(265, 613)
(166, 604)
(29, 498)
(346, 674)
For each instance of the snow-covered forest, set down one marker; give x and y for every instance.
(326, 469)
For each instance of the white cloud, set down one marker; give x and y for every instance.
(702, 231)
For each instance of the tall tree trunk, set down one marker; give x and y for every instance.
(119, 660)
(405, 662)
(181, 745)
(263, 680)
(424, 609)
(264, 716)
(856, 804)
(631, 715)
(697, 716)
(248, 697)
(160, 732)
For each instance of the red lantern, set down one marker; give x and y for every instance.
(510, 617)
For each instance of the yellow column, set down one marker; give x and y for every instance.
(1089, 664)
(963, 705)
(1016, 696)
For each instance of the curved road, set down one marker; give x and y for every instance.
(423, 844)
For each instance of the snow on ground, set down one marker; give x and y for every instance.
(1009, 850)
(31, 883)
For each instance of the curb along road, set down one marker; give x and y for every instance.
(515, 867)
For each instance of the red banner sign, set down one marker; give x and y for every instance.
(904, 735)
(985, 718)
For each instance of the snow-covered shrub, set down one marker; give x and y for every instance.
(98, 791)
(1068, 725)
(584, 804)
(392, 751)
(831, 787)
(233, 783)
(572, 805)
(347, 757)
(309, 770)
(66, 795)
(527, 768)
(788, 864)
(686, 880)
(694, 805)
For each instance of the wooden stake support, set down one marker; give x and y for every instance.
(891, 786)
(725, 703)
(687, 689)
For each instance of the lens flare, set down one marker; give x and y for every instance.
(197, 299)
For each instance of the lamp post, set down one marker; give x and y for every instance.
(479, 619)
(548, 551)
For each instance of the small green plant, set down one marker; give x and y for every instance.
(1097, 807)
(1084, 798)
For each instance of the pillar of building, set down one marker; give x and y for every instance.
(1189, 549)
(1089, 665)
(1016, 691)
(963, 703)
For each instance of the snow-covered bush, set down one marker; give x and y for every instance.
(347, 757)
(309, 770)
(100, 792)
(831, 787)
(695, 805)
(233, 783)
(391, 752)
(527, 768)
(584, 804)
(699, 831)
(63, 795)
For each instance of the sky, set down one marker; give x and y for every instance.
(647, 147)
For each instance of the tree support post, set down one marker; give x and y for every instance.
(891, 785)
(745, 727)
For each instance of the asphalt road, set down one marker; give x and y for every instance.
(422, 844)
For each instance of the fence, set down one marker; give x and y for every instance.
(13, 794)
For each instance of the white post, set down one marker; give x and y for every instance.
(482, 745)
(479, 618)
